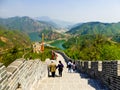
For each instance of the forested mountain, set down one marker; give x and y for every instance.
(25, 24)
(94, 41)
(92, 47)
(15, 44)
(107, 29)
(12, 38)
(34, 28)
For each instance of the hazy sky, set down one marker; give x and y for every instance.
(67, 10)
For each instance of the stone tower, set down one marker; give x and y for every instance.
(42, 44)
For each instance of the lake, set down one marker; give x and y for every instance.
(58, 44)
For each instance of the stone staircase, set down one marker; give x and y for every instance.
(32, 75)
(69, 81)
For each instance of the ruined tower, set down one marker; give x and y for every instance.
(42, 43)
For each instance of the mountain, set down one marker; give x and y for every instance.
(63, 24)
(11, 38)
(75, 25)
(32, 27)
(92, 47)
(55, 22)
(44, 18)
(25, 24)
(108, 29)
(48, 20)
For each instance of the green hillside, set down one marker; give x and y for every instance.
(9, 39)
(12, 45)
(32, 27)
(15, 44)
(25, 24)
(92, 47)
(107, 29)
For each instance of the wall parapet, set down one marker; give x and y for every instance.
(108, 72)
(22, 74)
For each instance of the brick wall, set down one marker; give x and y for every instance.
(3, 77)
(22, 74)
(108, 72)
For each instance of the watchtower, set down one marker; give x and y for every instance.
(42, 43)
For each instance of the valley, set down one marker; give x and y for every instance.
(87, 41)
(59, 45)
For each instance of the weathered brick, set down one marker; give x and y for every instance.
(21, 72)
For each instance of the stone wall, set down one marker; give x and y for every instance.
(108, 72)
(3, 77)
(64, 56)
(22, 74)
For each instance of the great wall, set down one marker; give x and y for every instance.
(108, 72)
(24, 74)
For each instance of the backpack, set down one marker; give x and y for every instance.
(74, 66)
(60, 66)
(69, 65)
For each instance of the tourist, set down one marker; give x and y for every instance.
(54, 55)
(69, 66)
(60, 68)
(74, 67)
(52, 68)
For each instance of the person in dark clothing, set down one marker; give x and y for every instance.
(69, 66)
(60, 68)
(74, 67)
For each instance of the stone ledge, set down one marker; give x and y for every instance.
(16, 72)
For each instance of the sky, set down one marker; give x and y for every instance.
(67, 10)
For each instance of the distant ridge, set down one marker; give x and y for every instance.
(25, 24)
(107, 29)
(55, 22)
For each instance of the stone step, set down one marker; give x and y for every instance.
(69, 81)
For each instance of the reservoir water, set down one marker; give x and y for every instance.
(58, 44)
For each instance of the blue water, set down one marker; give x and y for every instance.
(34, 36)
(58, 44)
